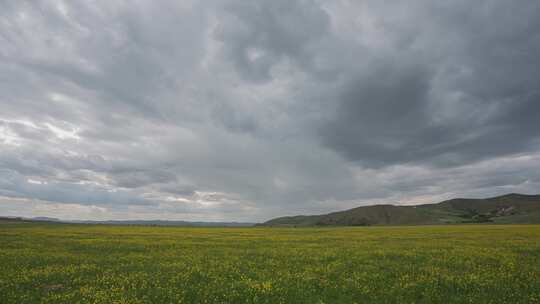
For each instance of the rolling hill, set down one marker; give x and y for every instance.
(507, 209)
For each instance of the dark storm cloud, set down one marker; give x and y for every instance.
(382, 117)
(475, 99)
(235, 110)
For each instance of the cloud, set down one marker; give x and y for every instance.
(259, 35)
(232, 110)
(445, 104)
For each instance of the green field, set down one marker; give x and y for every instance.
(56, 263)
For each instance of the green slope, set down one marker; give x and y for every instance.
(507, 209)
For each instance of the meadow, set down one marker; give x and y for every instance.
(61, 263)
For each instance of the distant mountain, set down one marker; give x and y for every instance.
(167, 223)
(44, 219)
(508, 209)
(18, 219)
(127, 222)
(11, 219)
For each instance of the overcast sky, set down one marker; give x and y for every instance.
(247, 110)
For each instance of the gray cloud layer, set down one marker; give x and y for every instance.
(235, 110)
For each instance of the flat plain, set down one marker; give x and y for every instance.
(63, 263)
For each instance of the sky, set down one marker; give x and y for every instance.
(238, 110)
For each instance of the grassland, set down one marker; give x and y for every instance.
(56, 263)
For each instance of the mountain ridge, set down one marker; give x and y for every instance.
(508, 208)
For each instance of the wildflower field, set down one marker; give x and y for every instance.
(61, 263)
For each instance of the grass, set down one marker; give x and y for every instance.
(55, 263)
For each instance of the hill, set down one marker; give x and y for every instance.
(508, 209)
